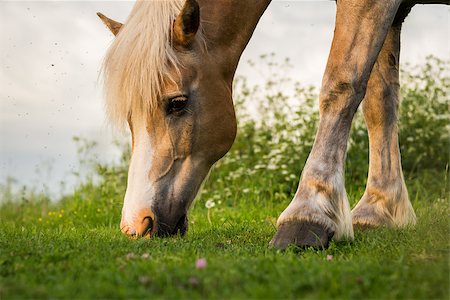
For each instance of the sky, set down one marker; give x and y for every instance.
(51, 54)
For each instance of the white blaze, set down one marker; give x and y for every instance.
(139, 192)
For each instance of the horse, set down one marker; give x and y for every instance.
(168, 75)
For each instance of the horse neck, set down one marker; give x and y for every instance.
(228, 26)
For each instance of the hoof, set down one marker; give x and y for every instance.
(301, 234)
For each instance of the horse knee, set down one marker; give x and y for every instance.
(341, 96)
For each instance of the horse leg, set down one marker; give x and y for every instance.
(320, 209)
(385, 201)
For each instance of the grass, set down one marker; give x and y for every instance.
(72, 248)
(47, 252)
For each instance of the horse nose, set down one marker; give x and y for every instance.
(144, 224)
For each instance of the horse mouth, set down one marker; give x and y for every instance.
(181, 227)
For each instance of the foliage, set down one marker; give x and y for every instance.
(425, 125)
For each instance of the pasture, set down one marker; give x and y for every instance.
(73, 248)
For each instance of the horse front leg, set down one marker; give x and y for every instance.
(385, 201)
(320, 209)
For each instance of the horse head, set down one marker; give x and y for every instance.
(170, 79)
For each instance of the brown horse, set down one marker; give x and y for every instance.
(169, 75)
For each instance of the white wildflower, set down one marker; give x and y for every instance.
(210, 204)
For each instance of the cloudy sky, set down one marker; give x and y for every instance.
(51, 52)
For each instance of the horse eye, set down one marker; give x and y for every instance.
(177, 104)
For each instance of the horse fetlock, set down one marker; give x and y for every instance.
(314, 217)
(377, 209)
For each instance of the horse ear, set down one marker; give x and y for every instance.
(186, 24)
(111, 24)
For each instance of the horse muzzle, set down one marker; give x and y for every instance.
(146, 225)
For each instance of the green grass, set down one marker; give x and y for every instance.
(71, 250)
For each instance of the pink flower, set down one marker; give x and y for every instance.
(329, 257)
(200, 263)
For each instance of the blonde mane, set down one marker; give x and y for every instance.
(139, 59)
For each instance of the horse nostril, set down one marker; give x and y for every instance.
(145, 223)
(146, 226)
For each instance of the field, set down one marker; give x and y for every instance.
(72, 248)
